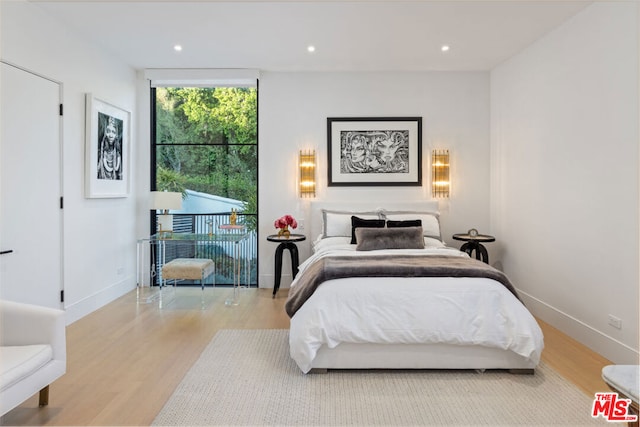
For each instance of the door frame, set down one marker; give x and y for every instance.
(61, 303)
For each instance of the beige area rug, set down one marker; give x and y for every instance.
(246, 377)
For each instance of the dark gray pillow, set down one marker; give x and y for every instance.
(405, 223)
(357, 222)
(371, 239)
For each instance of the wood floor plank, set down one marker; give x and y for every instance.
(573, 360)
(125, 359)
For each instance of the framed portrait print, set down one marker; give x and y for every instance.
(371, 151)
(107, 148)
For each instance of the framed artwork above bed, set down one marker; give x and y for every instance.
(374, 151)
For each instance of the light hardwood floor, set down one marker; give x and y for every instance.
(125, 359)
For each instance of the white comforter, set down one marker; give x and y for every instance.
(422, 310)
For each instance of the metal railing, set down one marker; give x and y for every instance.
(224, 254)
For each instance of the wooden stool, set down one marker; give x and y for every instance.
(187, 269)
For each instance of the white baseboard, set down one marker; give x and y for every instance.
(78, 309)
(267, 280)
(608, 347)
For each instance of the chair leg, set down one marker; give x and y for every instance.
(44, 396)
(161, 302)
(202, 304)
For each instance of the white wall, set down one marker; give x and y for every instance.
(564, 157)
(560, 111)
(99, 234)
(293, 115)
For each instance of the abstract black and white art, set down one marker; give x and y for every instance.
(374, 151)
(107, 149)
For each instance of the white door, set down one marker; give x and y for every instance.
(30, 188)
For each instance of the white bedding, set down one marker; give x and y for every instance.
(423, 310)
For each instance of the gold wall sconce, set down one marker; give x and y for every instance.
(307, 166)
(440, 174)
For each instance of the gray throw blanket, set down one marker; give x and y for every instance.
(338, 267)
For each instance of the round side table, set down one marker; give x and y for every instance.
(474, 244)
(285, 243)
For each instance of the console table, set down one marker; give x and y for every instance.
(186, 245)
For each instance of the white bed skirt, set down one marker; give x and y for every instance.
(418, 356)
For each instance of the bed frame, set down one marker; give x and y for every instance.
(316, 209)
(407, 356)
(417, 356)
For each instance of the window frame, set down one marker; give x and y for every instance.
(154, 147)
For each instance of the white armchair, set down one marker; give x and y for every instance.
(33, 352)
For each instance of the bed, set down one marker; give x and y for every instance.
(379, 303)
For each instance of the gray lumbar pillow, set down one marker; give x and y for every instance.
(371, 239)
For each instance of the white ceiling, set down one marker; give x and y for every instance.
(348, 35)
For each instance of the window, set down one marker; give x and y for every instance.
(205, 145)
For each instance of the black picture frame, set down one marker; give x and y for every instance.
(374, 151)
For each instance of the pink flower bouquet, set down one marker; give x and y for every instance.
(286, 222)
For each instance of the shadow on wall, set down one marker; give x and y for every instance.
(496, 252)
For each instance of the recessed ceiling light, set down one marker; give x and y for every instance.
(177, 48)
(444, 48)
(311, 49)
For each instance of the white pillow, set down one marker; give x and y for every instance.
(338, 223)
(328, 243)
(430, 242)
(430, 221)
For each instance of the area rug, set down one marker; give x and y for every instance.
(246, 377)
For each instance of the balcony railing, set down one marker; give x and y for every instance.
(224, 254)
